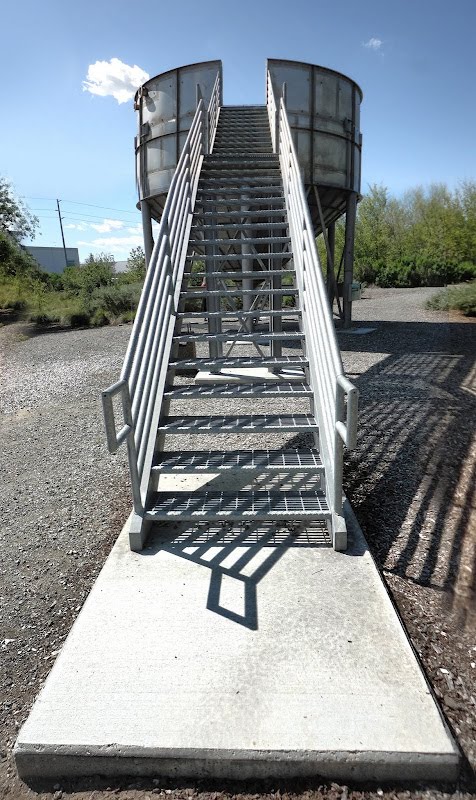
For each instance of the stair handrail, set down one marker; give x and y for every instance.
(142, 379)
(273, 114)
(335, 397)
(214, 111)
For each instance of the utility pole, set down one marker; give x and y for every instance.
(62, 233)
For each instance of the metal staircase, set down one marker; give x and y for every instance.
(234, 275)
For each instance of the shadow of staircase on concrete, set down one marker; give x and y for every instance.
(239, 556)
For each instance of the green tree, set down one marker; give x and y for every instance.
(16, 220)
(465, 197)
(95, 272)
(136, 265)
(372, 234)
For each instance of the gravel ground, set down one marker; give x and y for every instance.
(411, 483)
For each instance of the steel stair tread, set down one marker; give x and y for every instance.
(244, 240)
(237, 226)
(242, 161)
(236, 201)
(233, 291)
(222, 215)
(248, 181)
(242, 193)
(256, 275)
(217, 423)
(218, 460)
(259, 312)
(256, 256)
(219, 390)
(217, 364)
(261, 504)
(241, 336)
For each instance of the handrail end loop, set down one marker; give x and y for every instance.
(114, 438)
(347, 431)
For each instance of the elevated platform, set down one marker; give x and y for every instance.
(250, 653)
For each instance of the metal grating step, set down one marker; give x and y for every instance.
(239, 226)
(263, 504)
(244, 150)
(216, 461)
(237, 256)
(229, 169)
(217, 364)
(225, 390)
(275, 200)
(249, 181)
(246, 126)
(240, 177)
(271, 213)
(244, 240)
(256, 275)
(284, 312)
(233, 291)
(241, 162)
(249, 423)
(263, 337)
(246, 143)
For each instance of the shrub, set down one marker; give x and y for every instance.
(112, 302)
(458, 298)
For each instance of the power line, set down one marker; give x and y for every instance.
(77, 203)
(106, 208)
(78, 214)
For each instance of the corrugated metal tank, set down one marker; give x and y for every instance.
(324, 114)
(166, 106)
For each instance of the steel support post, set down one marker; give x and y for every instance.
(331, 238)
(247, 283)
(213, 302)
(350, 214)
(147, 230)
(276, 304)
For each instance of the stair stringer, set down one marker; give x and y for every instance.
(139, 526)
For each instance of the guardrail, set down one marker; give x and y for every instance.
(143, 374)
(335, 397)
(214, 112)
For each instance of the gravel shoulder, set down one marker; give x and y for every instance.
(411, 482)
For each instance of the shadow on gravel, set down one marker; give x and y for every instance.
(412, 480)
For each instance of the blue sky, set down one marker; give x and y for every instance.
(414, 60)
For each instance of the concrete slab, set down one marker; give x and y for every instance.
(250, 654)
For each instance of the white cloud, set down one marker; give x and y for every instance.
(114, 79)
(107, 226)
(72, 226)
(373, 44)
(118, 245)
